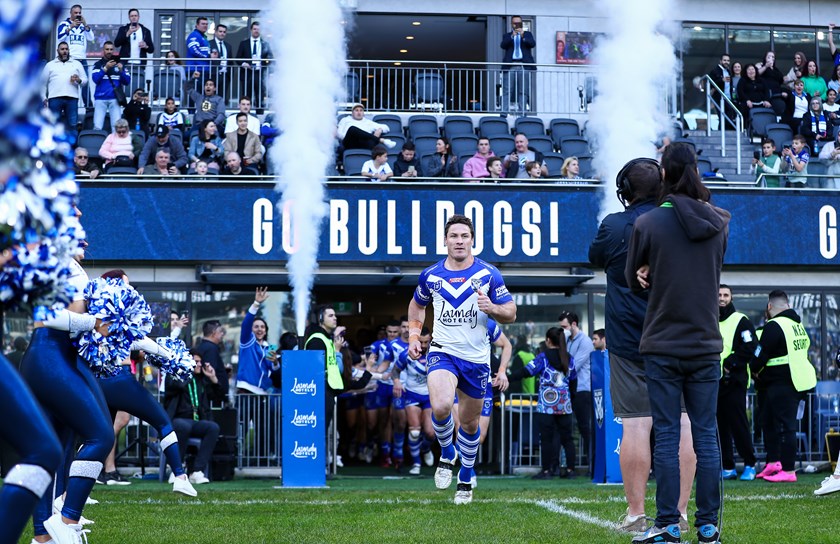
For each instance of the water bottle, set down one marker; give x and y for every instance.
(137, 125)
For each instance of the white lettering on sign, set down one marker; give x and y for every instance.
(475, 211)
(828, 232)
(263, 225)
(531, 240)
(502, 228)
(368, 226)
(305, 420)
(416, 247)
(305, 452)
(339, 235)
(305, 388)
(391, 225)
(444, 210)
(289, 236)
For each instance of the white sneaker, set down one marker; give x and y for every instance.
(829, 485)
(390, 144)
(415, 470)
(464, 494)
(58, 504)
(443, 472)
(183, 486)
(338, 462)
(61, 533)
(198, 477)
(91, 500)
(473, 482)
(429, 458)
(172, 478)
(367, 455)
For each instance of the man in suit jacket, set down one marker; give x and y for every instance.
(134, 42)
(722, 77)
(254, 73)
(221, 69)
(519, 65)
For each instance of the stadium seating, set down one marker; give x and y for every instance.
(428, 88)
(779, 132)
(462, 160)
(422, 125)
(529, 126)
(92, 141)
(425, 145)
(353, 86)
(759, 119)
(464, 144)
(501, 144)
(167, 85)
(585, 164)
(563, 127)
(397, 139)
(572, 145)
(394, 123)
(817, 168)
(687, 142)
(493, 126)
(554, 163)
(457, 125)
(704, 165)
(543, 144)
(353, 161)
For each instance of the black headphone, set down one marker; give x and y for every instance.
(624, 190)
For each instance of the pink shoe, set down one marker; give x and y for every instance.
(781, 476)
(770, 469)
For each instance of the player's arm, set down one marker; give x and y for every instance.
(416, 317)
(502, 313)
(501, 380)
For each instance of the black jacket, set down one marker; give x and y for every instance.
(772, 345)
(717, 77)
(177, 401)
(123, 42)
(244, 51)
(510, 171)
(138, 111)
(210, 353)
(526, 44)
(401, 167)
(624, 312)
(684, 246)
(743, 347)
(752, 90)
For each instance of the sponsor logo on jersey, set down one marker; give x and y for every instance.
(502, 291)
(305, 420)
(305, 388)
(457, 280)
(459, 316)
(436, 285)
(305, 452)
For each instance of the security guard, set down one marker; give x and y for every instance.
(781, 368)
(328, 337)
(739, 342)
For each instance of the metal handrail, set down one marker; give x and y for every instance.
(739, 119)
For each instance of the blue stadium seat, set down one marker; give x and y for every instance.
(92, 140)
(543, 144)
(687, 142)
(166, 84)
(464, 144)
(462, 160)
(422, 125)
(704, 165)
(428, 88)
(353, 86)
(574, 146)
(759, 119)
(501, 144)
(457, 125)
(529, 126)
(353, 161)
(394, 123)
(397, 139)
(425, 145)
(779, 132)
(493, 126)
(585, 163)
(563, 127)
(554, 163)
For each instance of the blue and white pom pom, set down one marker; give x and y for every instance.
(128, 316)
(181, 365)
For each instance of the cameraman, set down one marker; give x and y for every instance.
(189, 409)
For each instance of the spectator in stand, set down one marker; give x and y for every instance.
(773, 81)
(570, 168)
(767, 163)
(830, 155)
(358, 132)
(244, 142)
(722, 77)
(202, 172)
(118, 147)
(75, 32)
(61, 79)
(207, 146)
(221, 71)
(796, 160)
(517, 72)
(797, 106)
(534, 170)
(136, 45)
(255, 354)
(407, 164)
(377, 168)
(83, 166)
(163, 165)
(163, 140)
(198, 51)
(188, 406)
(816, 126)
(244, 107)
(476, 166)
(209, 105)
(736, 79)
(752, 93)
(443, 164)
(253, 75)
(515, 161)
(108, 74)
(209, 348)
(835, 54)
(814, 83)
(175, 65)
(797, 70)
(831, 107)
(234, 167)
(138, 113)
(494, 169)
(834, 82)
(171, 117)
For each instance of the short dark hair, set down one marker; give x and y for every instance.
(254, 23)
(600, 333)
(770, 141)
(409, 146)
(74, 6)
(134, 9)
(778, 294)
(241, 114)
(321, 310)
(117, 273)
(244, 97)
(459, 219)
(199, 19)
(377, 151)
(288, 341)
(210, 327)
(109, 42)
(221, 25)
(645, 180)
(425, 331)
(491, 160)
(194, 351)
(393, 323)
(19, 342)
(571, 316)
(724, 286)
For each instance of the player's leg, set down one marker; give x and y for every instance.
(472, 387)
(109, 472)
(371, 400)
(413, 416)
(486, 413)
(428, 432)
(442, 381)
(398, 420)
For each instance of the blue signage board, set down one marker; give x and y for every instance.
(608, 428)
(304, 420)
(402, 223)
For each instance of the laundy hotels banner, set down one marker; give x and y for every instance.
(304, 420)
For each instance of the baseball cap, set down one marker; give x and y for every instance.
(161, 131)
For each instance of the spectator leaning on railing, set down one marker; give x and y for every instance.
(163, 140)
(407, 164)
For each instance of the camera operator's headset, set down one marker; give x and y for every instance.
(624, 190)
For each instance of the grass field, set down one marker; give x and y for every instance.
(361, 509)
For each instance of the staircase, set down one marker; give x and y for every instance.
(711, 151)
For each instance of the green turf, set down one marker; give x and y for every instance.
(359, 509)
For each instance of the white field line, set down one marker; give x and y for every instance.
(554, 506)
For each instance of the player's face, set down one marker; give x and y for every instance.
(404, 330)
(424, 343)
(459, 242)
(724, 296)
(392, 332)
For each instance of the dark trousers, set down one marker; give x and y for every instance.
(357, 138)
(733, 425)
(556, 431)
(669, 378)
(207, 431)
(582, 406)
(66, 110)
(779, 424)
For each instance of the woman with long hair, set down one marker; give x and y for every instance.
(814, 83)
(206, 146)
(816, 126)
(443, 164)
(555, 369)
(773, 80)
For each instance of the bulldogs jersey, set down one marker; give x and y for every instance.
(413, 373)
(460, 328)
(382, 349)
(397, 348)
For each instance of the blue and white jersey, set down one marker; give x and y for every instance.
(413, 373)
(460, 328)
(494, 331)
(382, 349)
(398, 346)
